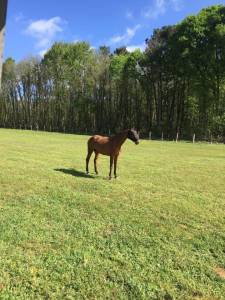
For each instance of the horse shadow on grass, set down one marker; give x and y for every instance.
(75, 173)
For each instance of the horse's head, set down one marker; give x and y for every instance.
(133, 136)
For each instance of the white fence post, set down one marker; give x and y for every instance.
(193, 140)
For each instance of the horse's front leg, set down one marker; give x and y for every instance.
(115, 165)
(111, 164)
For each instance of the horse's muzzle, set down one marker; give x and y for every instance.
(137, 142)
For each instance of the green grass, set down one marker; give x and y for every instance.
(157, 232)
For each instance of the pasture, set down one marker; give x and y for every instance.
(156, 232)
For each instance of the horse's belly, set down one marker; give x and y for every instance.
(103, 149)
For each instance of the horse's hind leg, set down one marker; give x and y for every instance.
(90, 151)
(95, 161)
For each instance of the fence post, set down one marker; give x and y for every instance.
(162, 136)
(3, 11)
(177, 137)
(150, 135)
(193, 140)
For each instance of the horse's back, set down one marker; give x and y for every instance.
(99, 139)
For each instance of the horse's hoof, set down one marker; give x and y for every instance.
(110, 177)
(115, 176)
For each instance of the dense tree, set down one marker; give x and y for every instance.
(177, 86)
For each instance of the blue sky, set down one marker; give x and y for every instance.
(32, 26)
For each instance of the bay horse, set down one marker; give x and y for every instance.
(110, 146)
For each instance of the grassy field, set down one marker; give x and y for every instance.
(156, 232)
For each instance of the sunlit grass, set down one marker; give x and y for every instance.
(157, 232)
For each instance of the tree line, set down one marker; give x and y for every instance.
(175, 87)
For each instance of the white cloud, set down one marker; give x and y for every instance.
(43, 52)
(45, 31)
(19, 17)
(177, 4)
(126, 37)
(129, 15)
(132, 48)
(160, 7)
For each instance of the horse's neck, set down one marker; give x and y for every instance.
(121, 137)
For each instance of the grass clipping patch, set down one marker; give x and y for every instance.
(220, 272)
